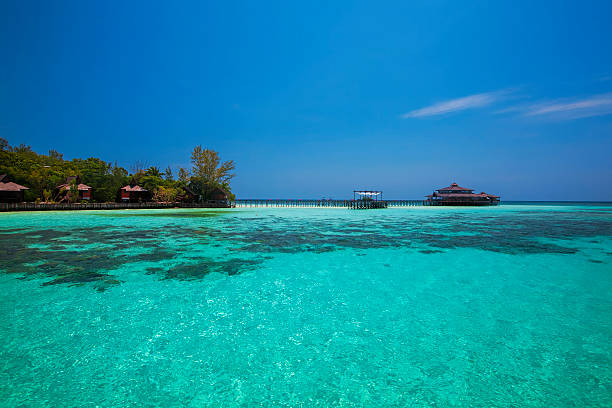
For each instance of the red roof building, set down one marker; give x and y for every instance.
(63, 189)
(10, 192)
(457, 195)
(133, 193)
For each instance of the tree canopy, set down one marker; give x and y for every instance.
(208, 172)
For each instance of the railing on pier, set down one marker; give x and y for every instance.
(288, 203)
(406, 203)
(353, 204)
(367, 204)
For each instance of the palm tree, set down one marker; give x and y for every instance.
(153, 171)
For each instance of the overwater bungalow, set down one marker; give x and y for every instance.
(61, 191)
(10, 192)
(457, 195)
(133, 193)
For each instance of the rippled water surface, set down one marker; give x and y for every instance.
(505, 306)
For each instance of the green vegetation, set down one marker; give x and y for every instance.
(208, 171)
(43, 173)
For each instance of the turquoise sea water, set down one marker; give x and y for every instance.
(427, 307)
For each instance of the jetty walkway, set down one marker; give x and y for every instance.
(353, 204)
(296, 203)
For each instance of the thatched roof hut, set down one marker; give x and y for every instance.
(10, 192)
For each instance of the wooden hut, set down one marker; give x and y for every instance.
(10, 192)
(62, 191)
(133, 193)
(217, 194)
(457, 195)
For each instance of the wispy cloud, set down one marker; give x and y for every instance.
(595, 105)
(557, 109)
(459, 104)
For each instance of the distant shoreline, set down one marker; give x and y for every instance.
(22, 207)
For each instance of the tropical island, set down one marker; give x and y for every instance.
(48, 178)
(47, 181)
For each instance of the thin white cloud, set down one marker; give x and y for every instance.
(459, 104)
(511, 109)
(559, 109)
(596, 105)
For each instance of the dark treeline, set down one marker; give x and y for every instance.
(42, 173)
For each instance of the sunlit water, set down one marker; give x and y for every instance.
(506, 306)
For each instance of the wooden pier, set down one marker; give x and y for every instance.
(243, 203)
(353, 204)
(362, 200)
(367, 204)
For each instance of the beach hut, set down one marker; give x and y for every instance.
(133, 193)
(10, 192)
(62, 191)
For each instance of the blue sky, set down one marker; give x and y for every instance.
(314, 99)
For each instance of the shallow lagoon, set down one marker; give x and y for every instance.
(501, 306)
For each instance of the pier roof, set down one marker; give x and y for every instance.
(489, 195)
(367, 192)
(455, 187)
(368, 195)
(461, 195)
